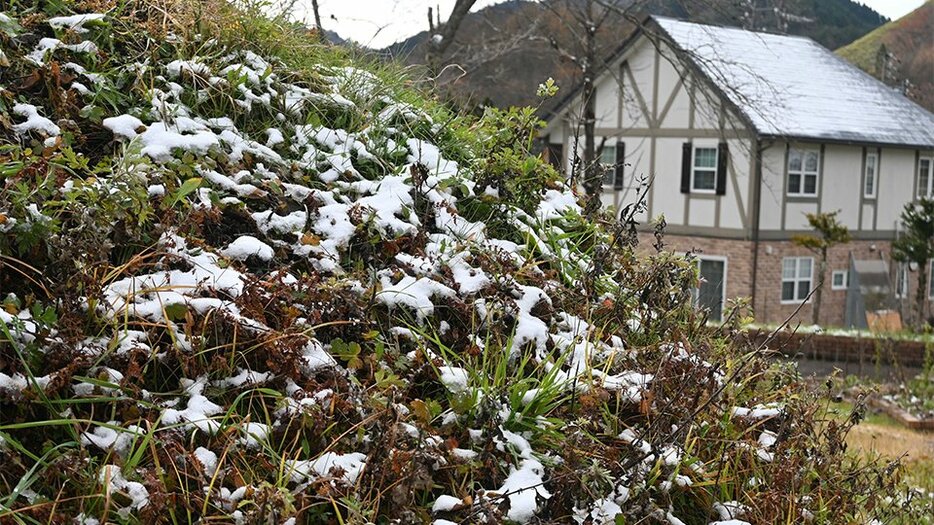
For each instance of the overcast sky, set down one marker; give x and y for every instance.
(378, 23)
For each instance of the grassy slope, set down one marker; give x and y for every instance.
(391, 308)
(910, 39)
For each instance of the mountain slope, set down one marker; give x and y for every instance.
(504, 51)
(910, 42)
(251, 279)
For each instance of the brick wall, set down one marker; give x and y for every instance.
(768, 306)
(836, 348)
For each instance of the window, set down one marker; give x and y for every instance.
(608, 164)
(803, 166)
(872, 164)
(901, 281)
(797, 273)
(925, 178)
(931, 282)
(840, 280)
(704, 172)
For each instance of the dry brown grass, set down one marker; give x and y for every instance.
(891, 441)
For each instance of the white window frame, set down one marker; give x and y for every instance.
(902, 287)
(608, 167)
(797, 280)
(927, 191)
(875, 175)
(803, 173)
(846, 280)
(694, 168)
(726, 269)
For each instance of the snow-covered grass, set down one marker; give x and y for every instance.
(248, 278)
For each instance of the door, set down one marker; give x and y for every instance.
(711, 294)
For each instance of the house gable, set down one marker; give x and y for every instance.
(651, 102)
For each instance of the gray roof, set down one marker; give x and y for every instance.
(791, 86)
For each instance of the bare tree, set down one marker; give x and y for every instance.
(317, 14)
(442, 34)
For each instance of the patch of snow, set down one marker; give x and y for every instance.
(193, 67)
(74, 22)
(160, 139)
(247, 246)
(207, 459)
(413, 293)
(454, 378)
(113, 480)
(315, 357)
(34, 121)
(350, 465)
(124, 126)
(106, 438)
(523, 487)
(446, 503)
(47, 46)
(757, 412)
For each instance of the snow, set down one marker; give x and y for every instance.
(728, 510)
(530, 329)
(247, 246)
(314, 357)
(34, 121)
(446, 503)
(123, 126)
(454, 378)
(606, 509)
(197, 412)
(556, 204)
(207, 459)
(46, 46)
(464, 454)
(254, 434)
(114, 481)
(74, 22)
(107, 437)
(730, 522)
(160, 139)
(413, 293)
(387, 199)
(245, 378)
(757, 412)
(194, 67)
(523, 487)
(351, 464)
(274, 137)
(791, 86)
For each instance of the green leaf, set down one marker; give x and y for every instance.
(187, 187)
(176, 311)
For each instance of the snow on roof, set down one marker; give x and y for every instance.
(794, 87)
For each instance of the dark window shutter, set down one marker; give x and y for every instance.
(620, 166)
(686, 154)
(722, 158)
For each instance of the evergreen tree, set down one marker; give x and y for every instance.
(829, 234)
(916, 245)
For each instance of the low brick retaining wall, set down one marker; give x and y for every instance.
(848, 349)
(897, 413)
